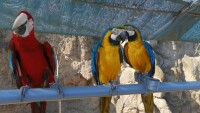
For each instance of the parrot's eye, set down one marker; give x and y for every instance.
(21, 29)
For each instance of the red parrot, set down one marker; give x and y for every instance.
(32, 62)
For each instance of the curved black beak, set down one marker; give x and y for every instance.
(122, 36)
(21, 29)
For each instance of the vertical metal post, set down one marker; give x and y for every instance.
(58, 80)
(59, 106)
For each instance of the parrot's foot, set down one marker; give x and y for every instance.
(23, 91)
(150, 84)
(139, 77)
(58, 88)
(113, 85)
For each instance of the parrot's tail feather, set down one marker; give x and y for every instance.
(147, 100)
(38, 107)
(104, 104)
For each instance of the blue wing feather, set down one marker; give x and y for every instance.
(55, 59)
(13, 66)
(94, 61)
(151, 56)
(10, 53)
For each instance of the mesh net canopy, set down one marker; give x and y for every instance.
(156, 19)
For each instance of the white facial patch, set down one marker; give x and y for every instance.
(117, 31)
(131, 33)
(113, 36)
(29, 27)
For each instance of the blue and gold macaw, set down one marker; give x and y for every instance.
(106, 63)
(139, 55)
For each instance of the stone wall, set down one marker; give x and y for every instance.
(175, 62)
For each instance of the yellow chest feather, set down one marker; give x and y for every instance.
(139, 58)
(109, 63)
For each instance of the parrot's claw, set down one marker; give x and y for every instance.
(23, 91)
(139, 77)
(58, 88)
(113, 85)
(151, 84)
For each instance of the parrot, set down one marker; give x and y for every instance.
(106, 62)
(32, 62)
(140, 56)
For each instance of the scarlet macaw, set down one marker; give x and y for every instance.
(106, 63)
(32, 63)
(139, 55)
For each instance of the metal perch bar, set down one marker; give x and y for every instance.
(50, 94)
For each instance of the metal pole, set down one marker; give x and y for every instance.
(58, 81)
(50, 94)
(60, 106)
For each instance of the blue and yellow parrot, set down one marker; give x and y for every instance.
(139, 55)
(106, 63)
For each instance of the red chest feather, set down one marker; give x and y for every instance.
(33, 63)
(32, 58)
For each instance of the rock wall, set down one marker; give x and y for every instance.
(175, 62)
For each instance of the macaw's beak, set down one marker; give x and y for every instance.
(19, 25)
(20, 30)
(123, 36)
(126, 34)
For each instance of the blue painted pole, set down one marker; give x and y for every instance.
(50, 94)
